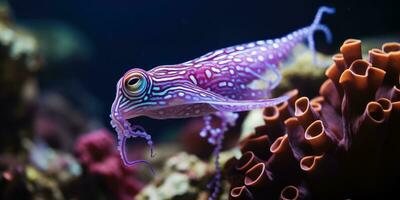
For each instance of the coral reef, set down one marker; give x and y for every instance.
(58, 122)
(26, 182)
(184, 176)
(60, 165)
(301, 73)
(38, 132)
(41, 173)
(19, 63)
(339, 145)
(101, 162)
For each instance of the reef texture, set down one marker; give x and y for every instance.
(302, 73)
(339, 145)
(101, 162)
(184, 176)
(19, 63)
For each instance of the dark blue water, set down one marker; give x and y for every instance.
(144, 34)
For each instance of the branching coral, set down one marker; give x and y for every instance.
(341, 144)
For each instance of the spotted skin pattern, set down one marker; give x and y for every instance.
(217, 83)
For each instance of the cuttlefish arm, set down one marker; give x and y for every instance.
(125, 131)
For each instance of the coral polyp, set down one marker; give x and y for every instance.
(341, 144)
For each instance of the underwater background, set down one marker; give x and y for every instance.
(127, 34)
(61, 60)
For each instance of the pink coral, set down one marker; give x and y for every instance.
(96, 151)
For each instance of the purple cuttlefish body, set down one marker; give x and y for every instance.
(217, 83)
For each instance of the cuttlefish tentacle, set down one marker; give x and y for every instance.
(317, 26)
(227, 119)
(125, 131)
(129, 131)
(215, 136)
(217, 83)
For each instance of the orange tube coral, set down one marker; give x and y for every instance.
(291, 192)
(281, 154)
(378, 59)
(316, 135)
(304, 113)
(351, 50)
(341, 144)
(334, 72)
(393, 49)
(257, 144)
(257, 179)
(272, 117)
(310, 163)
(241, 193)
(247, 161)
(361, 79)
(257, 176)
(330, 92)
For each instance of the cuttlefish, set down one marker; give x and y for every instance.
(217, 83)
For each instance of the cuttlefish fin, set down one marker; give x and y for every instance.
(226, 104)
(231, 105)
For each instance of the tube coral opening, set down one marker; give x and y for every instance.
(290, 192)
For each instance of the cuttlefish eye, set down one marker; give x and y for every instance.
(135, 84)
